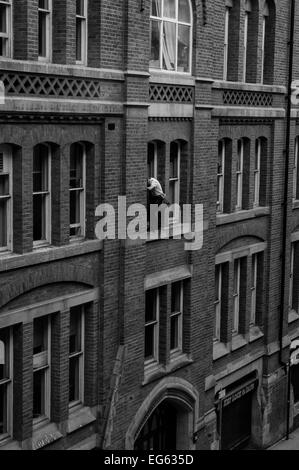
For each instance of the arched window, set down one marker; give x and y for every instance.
(171, 35)
(5, 198)
(268, 42)
(242, 174)
(260, 172)
(224, 166)
(5, 28)
(251, 22)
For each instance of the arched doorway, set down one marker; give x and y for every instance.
(160, 430)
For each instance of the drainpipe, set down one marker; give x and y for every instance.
(285, 204)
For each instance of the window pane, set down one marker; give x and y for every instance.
(183, 48)
(169, 8)
(3, 20)
(156, 9)
(184, 11)
(155, 44)
(79, 39)
(76, 167)
(149, 342)
(38, 394)
(151, 306)
(3, 46)
(74, 207)
(172, 192)
(40, 337)
(3, 409)
(151, 161)
(4, 362)
(3, 224)
(169, 46)
(80, 7)
(176, 297)
(42, 34)
(40, 169)
(4, 185)
(75, 330)
(74, 379)
(44, 4)
(39, 217)
(174, 153)
(174, 332)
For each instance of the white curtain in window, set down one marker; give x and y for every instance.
(169, 45)
(157, 7)
(2, 353)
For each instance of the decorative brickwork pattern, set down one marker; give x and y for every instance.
(247, 98)
(44, 85)
(171, 93)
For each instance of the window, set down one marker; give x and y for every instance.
(269, 42)
(218, 293)
(239, 293)
(44, 28)
(239, 175)
(5, 198)
(296, 171)
(257, 172)
(254, 279)
(245, 46)
(226, 36)
(76, 356)
(176, 318)
(77, 190)
(41, 194)
(171, 35)
(220, 176)
(5, 28)
(152, 160)
(6, 364)
(81, 31)
(294, 278)
(174, 173)
(151, 336)
(41, 368)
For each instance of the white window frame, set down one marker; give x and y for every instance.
(226, 41)
(296, 169)
(220, 178)
(266, 13)
(254, 272)
(155, 175)
(42, 362)
(156, 323)
(84, 34)
(218, 302)
(239, 175)
(179, 316)
(80, 355)
(7, 169)
(8, 383)
(161, 20)
(257, 172)
(236, 296)
(8, 36)
(48, 13)
(48, 202)
(82, 191)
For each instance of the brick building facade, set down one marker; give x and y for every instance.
(121, 344)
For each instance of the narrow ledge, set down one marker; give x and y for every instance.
(223, 219)
(220, 350)
(79, 418)
(238, 342)
(293, 316)
(255, 333)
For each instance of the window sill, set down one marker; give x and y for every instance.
(255, 333)
(238, 342)
(156, 371)
(171, 77)
(223, 219)
(78, 418)
(45, 435)
(225, 84)
(219, 350)
(9, 444)
(295, 204)
(293, 316)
